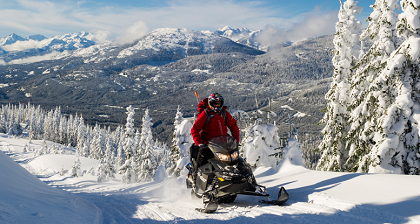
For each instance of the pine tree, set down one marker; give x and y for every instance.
(147, 163)
(120, 160)
(43, 150)
(129, 147)
(177, 140)
(260, 150)
(75, 169)
(81, 138)
(62, 131)
(109, 159)
(98, 143)
(395, 95)
(102, 177)
(129, 176)
(336, 116)
(382, 31)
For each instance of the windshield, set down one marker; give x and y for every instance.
(225, 144)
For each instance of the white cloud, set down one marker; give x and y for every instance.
(23, 45)
(133, 33)
(311, 25)
(34, 59)
(101, 36)
(2, 62)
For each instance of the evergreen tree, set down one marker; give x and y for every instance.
(177, 141)
(129, 144)
(81, 138)
(147, 163)
(336, 116)
(75, 169)
(62, 131)
(102, 177)
(260, 150)
(127, 171)
(382, 32)
(43, 150)
(120, 160)
(98, 143)
(395, 95)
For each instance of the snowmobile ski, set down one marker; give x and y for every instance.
(210, 204)
(283, 196)
(209, 207)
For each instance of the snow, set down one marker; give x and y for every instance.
(315, 196)
(286, 107)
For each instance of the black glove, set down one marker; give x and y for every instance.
(202, 146)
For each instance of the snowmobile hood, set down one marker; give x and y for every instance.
(225, 144)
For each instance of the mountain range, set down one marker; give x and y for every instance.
(162, 70)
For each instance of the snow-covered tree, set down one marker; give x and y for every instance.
(81, 138)
(120, 159)
(336, 115)
(62, 131)
(98, 143)
(106, 167)
(127, 171)
(109, 160)
(265, 142)
(102, 177)
(43, 150)
(75, 169)
(147, 163)
(129, 144)
(382, 32)
(181, 142)
(395, 93)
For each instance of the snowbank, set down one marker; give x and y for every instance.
(26, 199)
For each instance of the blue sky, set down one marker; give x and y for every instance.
(133, 18)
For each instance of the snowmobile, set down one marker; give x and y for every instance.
(217, 174)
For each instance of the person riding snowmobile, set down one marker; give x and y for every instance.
(216, 173)
(214, 121)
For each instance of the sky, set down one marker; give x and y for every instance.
(109, 19)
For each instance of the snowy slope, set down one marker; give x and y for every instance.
(315, 197)
(26, 199)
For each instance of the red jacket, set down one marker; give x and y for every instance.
(215, 127)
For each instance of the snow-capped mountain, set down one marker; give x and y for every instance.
(15, 47)
(11, 39)
(180, 42)
(184, 40)
(242, 36)
(164, 44)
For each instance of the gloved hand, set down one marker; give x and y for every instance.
(201, 146)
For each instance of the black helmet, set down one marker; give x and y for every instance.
(213, 98)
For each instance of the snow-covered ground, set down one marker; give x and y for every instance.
(315, 197)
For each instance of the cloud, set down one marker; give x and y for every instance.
(133, 33)
(34, 59)
(101, 36)
(23, 45)
(313, 24)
